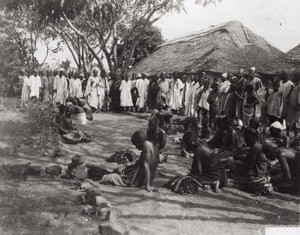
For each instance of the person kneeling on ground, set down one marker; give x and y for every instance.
(252, 173)
(140, 173)
(79, 116)
(206, 167)
(87, 109)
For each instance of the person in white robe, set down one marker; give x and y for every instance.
(187, 91)
(35, 85)
(176, 88)
(285, 87)
(60, 88)
(75, 87)
(125, 97)
(222, 90)
(164, 85)
(142, 87)
(92, 90)
(25, 87)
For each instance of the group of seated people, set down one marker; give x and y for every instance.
(253, 162)
(69, 117)
(253, 159)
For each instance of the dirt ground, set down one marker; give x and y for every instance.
(44, 205)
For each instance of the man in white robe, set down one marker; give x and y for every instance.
(125, 96)
(35, 85)
(92, 90)
(223, 87)
(142, 87)
(164, 85)
(75, 88)
(176, 86)
(60, 88)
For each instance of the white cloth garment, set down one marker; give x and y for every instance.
(142, 87)
(125, 88)
(35, 84)
(25, 89)
(61, 87)
(176, 94)
(75, 88)
(92, 91)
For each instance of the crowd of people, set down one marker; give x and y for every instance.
(246, 114)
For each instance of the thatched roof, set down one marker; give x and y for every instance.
(289, 61)
(221, 48)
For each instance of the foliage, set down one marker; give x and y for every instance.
(93, 29)
(41, 118)
(10, 65)
(65, 64)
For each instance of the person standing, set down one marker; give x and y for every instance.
(254, 80)
(176, 88)
(187, 96)
(142, 86)
(125, 89)
(223, 89)
(75, 87)
(203, 104)
(35, 85)
(60, 88)
(92, 90)
(212, 99)
(293, 114)
(274, 104)
(103, 90)
(47, 84)
(240, 91)
(286, 87)
(25, 86)
(164, 85)
(114, 93)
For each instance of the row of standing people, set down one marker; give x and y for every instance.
(241, 96)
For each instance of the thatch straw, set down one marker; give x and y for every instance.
(222, 48)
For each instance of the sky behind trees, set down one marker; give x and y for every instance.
(278, 21)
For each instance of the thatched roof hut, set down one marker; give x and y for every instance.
(221, 48)
(289, 61)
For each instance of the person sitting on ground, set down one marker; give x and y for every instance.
(156, 134)
(190, 124)
(216, 140)
(206, 167)
(284, 160)
(205, 130)
(143, 171)
(87, 109)
(79, 116)
(64, 123)
(66, 129)
(227, 139)
(252, 172)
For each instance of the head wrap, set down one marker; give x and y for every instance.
(224, 75)
(253, 69)
(241, 70)
(277, 125)
(138, 75)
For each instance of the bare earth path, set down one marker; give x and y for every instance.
(42, 205)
